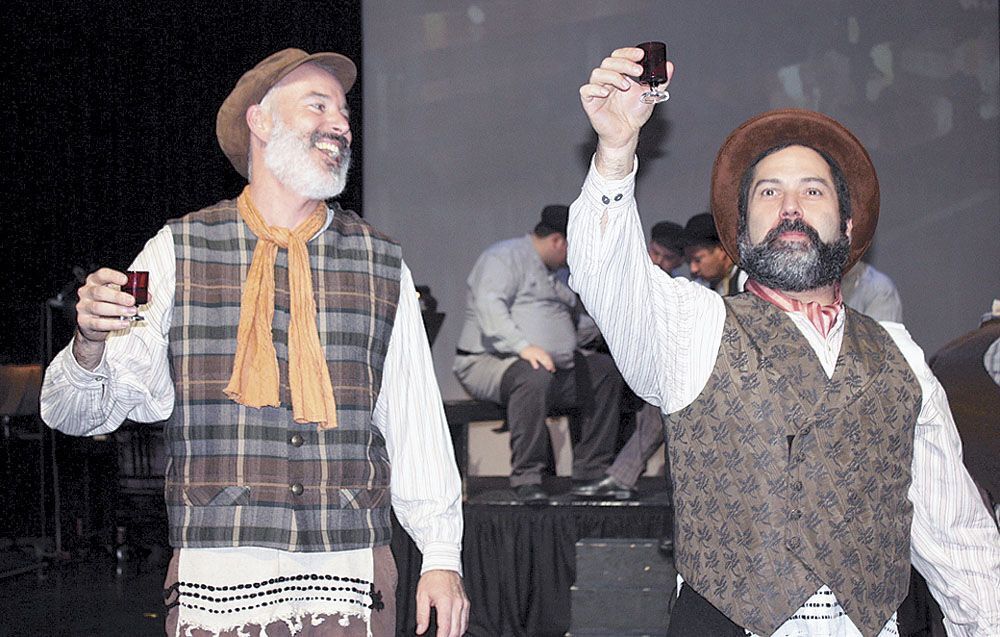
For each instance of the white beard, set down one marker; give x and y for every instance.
(287, 155)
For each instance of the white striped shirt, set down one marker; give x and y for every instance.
(665, 335)
(133, 381)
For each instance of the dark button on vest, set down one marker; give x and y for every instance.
(296, 488)
(295, 440)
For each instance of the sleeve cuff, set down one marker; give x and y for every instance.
(80, 377)
(442, 556)
(609, 193)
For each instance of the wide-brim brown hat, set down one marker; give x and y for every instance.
(807, 128)
(231, 124)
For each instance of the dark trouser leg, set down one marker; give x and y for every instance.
(641, 445)
(693, 616)
(525, 392)
(598, 386)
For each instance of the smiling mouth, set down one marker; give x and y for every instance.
(331, 149)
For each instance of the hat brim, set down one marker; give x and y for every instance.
(230, 124)
(789, 127)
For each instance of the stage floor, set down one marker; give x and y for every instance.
(511, 550)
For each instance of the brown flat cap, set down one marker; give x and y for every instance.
(231, 125)
(807, 128)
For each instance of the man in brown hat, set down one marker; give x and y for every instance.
(812, 450)
(283, 346)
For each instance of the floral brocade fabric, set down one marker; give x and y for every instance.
(786, 479)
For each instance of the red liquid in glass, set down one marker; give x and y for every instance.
(137, 286)
(654, 63)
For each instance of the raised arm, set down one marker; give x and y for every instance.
(663, 333)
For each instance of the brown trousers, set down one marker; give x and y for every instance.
(383, 621)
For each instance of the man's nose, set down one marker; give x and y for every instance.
(338, 123)
(790, 208)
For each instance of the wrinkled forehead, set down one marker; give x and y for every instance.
(794, 159)
(310, 78)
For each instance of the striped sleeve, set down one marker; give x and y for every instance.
(426, 489)
(133, 378)
(955, 543)
(663, 332)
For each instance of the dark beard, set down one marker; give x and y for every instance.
(793, 267)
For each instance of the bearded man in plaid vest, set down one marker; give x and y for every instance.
(283, 345)
(812, 450)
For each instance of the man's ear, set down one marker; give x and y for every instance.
(259, 122)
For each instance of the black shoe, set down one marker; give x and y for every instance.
(531, 494)
(666, 545)
(606, 487)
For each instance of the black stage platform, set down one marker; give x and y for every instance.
(520, 560)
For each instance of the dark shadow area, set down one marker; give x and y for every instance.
(110, 110)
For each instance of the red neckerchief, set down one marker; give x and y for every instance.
(822, 317)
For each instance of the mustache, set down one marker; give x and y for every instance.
(789, 225)
(330, 137)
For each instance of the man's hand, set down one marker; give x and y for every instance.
(537, 357)
(101, 310)
(443, 590)
(611, 99)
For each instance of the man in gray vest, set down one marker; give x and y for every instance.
(283, 346)
(812, 450)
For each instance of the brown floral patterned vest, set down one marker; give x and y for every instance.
(786, 480)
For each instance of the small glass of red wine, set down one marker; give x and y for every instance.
(654, 71)
(138, 286)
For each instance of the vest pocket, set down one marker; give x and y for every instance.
(354, 498)
(214, 496)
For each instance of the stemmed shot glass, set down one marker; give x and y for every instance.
(138, 286)
(654, 71)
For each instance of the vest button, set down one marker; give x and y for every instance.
(793, 543)
(296, 488)
(806, 430)
(797, 485)
(296, 440)
(795, 514)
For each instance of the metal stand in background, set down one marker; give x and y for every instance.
(25, 382)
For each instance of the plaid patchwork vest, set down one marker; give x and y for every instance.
(240, 476)
(786, 480)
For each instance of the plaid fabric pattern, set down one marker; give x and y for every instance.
(785, 479)
(238, 476)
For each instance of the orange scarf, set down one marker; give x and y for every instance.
(254, 382)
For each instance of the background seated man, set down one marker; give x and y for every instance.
(519, 347)
(666, 247)
(707, 259)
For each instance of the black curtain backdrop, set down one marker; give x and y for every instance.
(109, 112)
